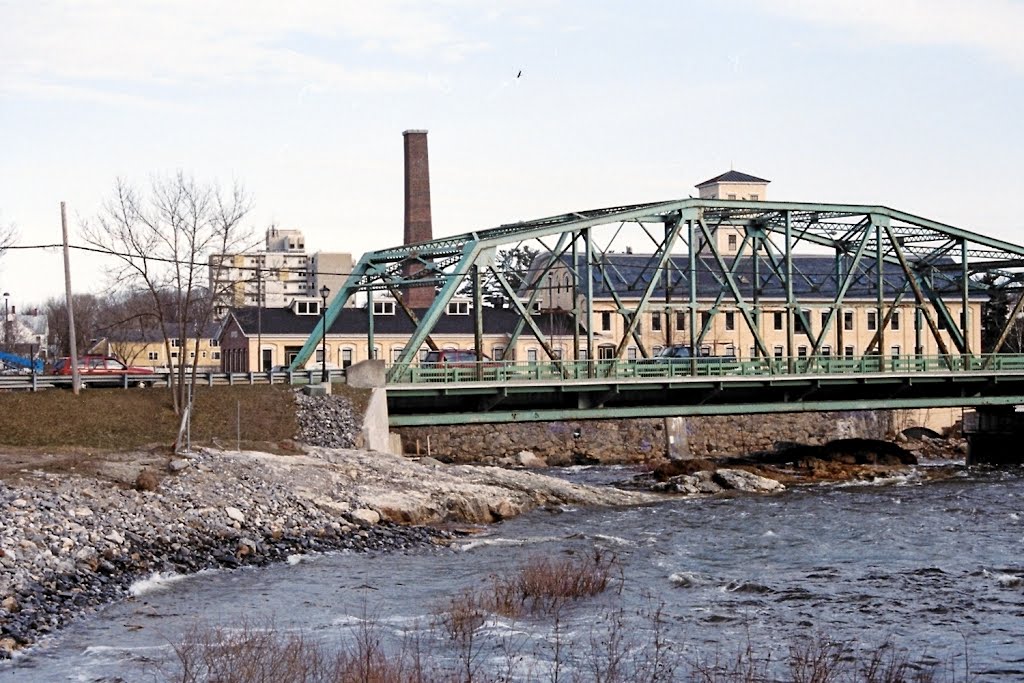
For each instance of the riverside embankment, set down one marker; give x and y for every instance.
(72, 541)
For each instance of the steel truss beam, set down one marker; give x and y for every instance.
(931, 258)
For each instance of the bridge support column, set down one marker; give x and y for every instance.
(994, 435)
(677, 442)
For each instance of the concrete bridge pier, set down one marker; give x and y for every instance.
(994, 436)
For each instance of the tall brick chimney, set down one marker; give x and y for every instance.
(418, 226)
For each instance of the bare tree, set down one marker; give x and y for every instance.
(7, 236)
(88, 309)
(162, 239)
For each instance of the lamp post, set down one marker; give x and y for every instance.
(7, 324)
(324, 293)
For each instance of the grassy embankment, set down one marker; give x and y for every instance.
(111, 419)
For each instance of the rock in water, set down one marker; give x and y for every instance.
(739, 480)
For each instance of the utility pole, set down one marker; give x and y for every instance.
(76, 380)
(259, 319)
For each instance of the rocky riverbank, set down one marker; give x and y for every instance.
(76, 539)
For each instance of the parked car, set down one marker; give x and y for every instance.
(456, 358)
(96, 366)
(682, 355)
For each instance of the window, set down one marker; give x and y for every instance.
(655, 350)
(894, 320)
(732, 242)
(754, 197)
(777, 316)
(705, 318)
(824, 319)
(705, 350)
(730, 351)
(153, 355)
(458, 308)
(606, 320)
(656, 321)
(753, 352)
(894, 352)
(584, 355)
(631, 352)
(826, 351)
(801, 351)
(847, 320)
(498, 352)
(557, 353)
(778, 351)
(319, 356)
(942, 322)
(346, 357)
(203, 355)
(732, 196)
(848, 352)
(307, 308)
(730, 320)
(606, 352)
(531, 356)
(214, 342)
(376, 348)
(216, 355)
(396, 353)
(680, 321)
(872, 320)
(175, 343)
(174, 354)
(798, 322)
(383, 307)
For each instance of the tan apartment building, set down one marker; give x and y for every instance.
(275, 276)
(148, 350)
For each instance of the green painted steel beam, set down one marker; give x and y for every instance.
(560, 415)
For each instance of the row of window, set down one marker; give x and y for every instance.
(778, 320)
(155, 355)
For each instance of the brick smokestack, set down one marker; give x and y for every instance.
(418, 226)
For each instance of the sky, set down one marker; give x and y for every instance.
(913, 104)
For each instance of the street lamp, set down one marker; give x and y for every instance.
(324, 292)
(7, 324)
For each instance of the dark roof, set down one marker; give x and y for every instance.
(148, 334)
(814, 279)
(356, 321)
(733, 177)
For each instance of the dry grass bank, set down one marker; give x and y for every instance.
(111, 419)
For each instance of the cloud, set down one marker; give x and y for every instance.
(106, 45)
(991, 27)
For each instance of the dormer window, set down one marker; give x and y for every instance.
(458, 308)
(307, 308)
(383, 307)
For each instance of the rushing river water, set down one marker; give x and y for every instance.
(933, 568)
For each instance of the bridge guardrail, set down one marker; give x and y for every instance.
(157, 379)
(709, 366)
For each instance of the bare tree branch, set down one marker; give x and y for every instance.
(163, 239)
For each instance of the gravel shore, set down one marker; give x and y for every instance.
(71, 541)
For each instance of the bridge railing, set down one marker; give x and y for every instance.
(707, 366)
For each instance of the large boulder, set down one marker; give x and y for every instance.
(748, 482)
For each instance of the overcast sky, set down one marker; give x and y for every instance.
(915, 104)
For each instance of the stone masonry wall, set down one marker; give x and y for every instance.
(614, 441)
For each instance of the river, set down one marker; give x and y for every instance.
(935, 569)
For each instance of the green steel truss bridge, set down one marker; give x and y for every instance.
(786, 256)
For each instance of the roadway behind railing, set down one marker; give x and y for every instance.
(703, 366)
(33, 382)
(514, 371)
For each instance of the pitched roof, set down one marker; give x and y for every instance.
(814, 279)
(733, 177)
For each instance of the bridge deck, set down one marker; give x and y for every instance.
(568, 391)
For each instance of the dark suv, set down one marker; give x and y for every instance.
(681, 356)
(454, 358)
